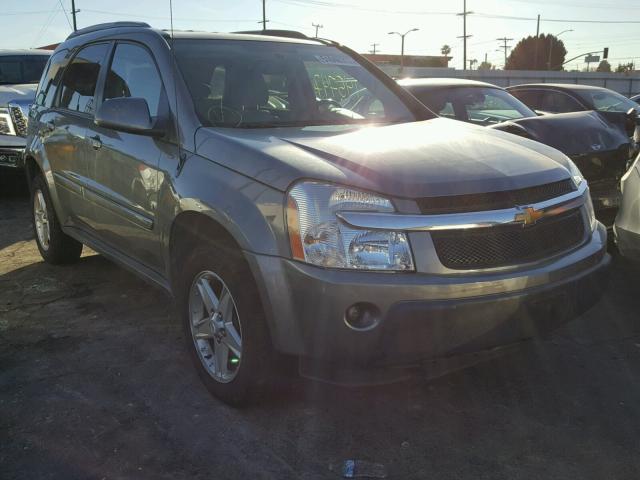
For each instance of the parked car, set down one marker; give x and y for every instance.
(627, 227)
(601, 149)
(351, 240)
(20, 71)
(569, 97)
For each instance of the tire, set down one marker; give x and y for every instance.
(56, 247)
(254, 371)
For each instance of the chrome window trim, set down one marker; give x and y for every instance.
(464, 221)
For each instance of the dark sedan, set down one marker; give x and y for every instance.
(564, 98)
(600, 147)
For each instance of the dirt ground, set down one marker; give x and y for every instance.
(95, 383)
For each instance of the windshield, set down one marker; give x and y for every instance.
(607, 100)
(482, 105)
(18, 69)
(254, 84)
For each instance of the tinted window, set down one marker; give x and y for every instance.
(80, 78)
(532, 98)
(263, 84)
(607, 101)
(133, 73)
(21, 69)
(560, 102)
(50, 80)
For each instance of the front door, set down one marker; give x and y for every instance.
(125, 167)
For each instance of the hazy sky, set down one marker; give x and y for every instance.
(356, 23)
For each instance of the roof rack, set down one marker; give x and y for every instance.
(277, 33)
(104, 26)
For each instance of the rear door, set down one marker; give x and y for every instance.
(125, 176)
(64, 130)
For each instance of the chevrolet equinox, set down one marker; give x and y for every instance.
(297, 203)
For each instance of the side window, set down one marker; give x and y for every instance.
(133, 73)
(80, 78)
(50, 80)
(559, 102)
(531, 98)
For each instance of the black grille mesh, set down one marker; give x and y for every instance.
(478, 202)
(508, 244)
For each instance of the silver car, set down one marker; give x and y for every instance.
(627, 227)
(287, 221)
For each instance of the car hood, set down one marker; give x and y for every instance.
(574, 134)
(428, 158)
(17, 92)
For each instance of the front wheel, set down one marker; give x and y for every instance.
(225, 326)
(55, 246)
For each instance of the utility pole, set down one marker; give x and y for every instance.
(374, 45)
(73, 13)
(264, 15)
(505, 47)
(535, 55)
(464, 33)
(317, 25)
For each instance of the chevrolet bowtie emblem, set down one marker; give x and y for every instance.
(528, 215)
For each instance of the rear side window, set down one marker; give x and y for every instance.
(50, 80)
(80, 78)
(133, 73)
(560, 102)
(531, 98)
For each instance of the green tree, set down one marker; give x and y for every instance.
(604, 66)
(445, 50)
(485, 66)
(545, 52)
(624, 67)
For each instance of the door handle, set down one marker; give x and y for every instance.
(96, 143)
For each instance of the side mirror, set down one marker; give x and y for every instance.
(127, 114)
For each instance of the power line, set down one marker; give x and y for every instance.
(65, 13)
(317, 26)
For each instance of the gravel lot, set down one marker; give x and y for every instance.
(95, 383)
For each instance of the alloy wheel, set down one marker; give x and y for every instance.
(215, 326)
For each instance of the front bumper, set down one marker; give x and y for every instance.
(424, 315)
(627, 226)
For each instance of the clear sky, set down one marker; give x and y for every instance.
(356, 23)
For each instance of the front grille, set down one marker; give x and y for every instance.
(507, 245)
(478, 202)
(19, 121)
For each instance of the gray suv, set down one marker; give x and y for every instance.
(292, 219)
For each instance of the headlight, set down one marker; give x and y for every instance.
(575, 172)
(591, 214)
(6, 125)
(318, 237)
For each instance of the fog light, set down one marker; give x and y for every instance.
(362, 316)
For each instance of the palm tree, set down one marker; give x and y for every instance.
(445, 50)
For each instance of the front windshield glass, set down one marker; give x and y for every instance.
(18, 69)
(607, 100)
(255, 84)
(482, 105)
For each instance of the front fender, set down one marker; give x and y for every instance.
(252, 213)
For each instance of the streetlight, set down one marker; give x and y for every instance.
(551, 47)
(402, 35)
